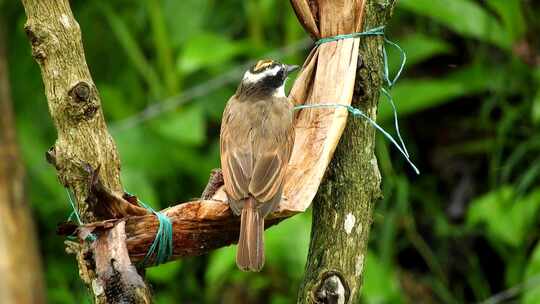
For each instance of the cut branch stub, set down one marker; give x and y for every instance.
(117, 277)
(332, 289)
(80, 92)
(108, 205)
(83, 102)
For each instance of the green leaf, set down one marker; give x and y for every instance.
(197, 164)
(418, 48)
(381, 284)
(535, 113)
(136, 182)
(414, 95)
(185, 19)
(60, 287)
(465, 17)
(195, 54)
(280, 299)
(185, 126)
(32, 142)
(131, 46)
(221, 262)
(113, 101)
(215, 102)
(512, 17)
(164, 298)
(531, 294)
(162, 45)
(515, 267)
(506, 217)
(164, 273)
(289, 236)
(142, 149)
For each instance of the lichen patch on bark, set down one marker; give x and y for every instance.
(349, 223)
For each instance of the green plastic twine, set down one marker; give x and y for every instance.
(358, 113)
(378, 31)
(162, 246)
(91, 237)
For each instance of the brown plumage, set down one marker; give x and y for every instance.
(256, 142)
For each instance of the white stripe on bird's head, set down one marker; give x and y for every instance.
(256, 77)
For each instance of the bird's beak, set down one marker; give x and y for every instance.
(290, 68)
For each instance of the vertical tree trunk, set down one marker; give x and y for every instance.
(84, 146)
(342, 209)
(20, 269)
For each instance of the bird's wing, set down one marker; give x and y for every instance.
(236, 156)
(272, 156)
(254, 156)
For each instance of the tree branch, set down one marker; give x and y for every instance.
(198, 228)
(342, 209)
(84, 146)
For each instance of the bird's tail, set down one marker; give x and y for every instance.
(250, 254)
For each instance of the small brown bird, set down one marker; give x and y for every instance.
(256, 140)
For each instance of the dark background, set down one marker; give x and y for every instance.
(469, 108)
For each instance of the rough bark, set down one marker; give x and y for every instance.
(21, 279)
(342, 209)
(84, 146)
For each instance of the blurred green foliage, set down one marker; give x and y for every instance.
(469, 105)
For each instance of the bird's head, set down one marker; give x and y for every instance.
(266, 78)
